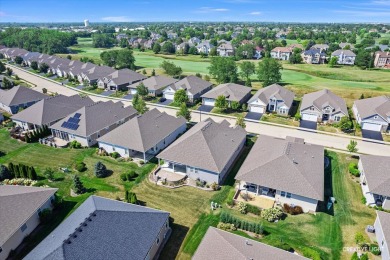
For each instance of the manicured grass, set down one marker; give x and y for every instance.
(279, 120)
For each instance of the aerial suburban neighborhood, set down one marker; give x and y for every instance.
(199, 130)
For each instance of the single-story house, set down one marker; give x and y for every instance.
(18, 97)
(206, 151)
(344, 57)
(313, 56)
(120, 79)
(102, 228)
(94, 74)
(222, 245)
(373, 113)
(193, 85)
(154, 84)
(382, 233)
(19, 213)
(281, 53)
(76, 70)
(143, 136)
(89, 123)
(273, 98)
(323, 105)
(286, 171)
(231, 91)
(375, 179)
(49, 111)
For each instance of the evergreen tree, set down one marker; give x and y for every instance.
(11, 168)
(2, 67)
(100, 170)
(5, 173)
(33, 174)
(78, 186)
(153, 72)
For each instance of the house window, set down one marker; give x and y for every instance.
(336, 118)
(283, 194)
(158, 241)
(375, 117)
(113, 148)
(24, 227)
(288, 195)
(196, 170)
(311, 108)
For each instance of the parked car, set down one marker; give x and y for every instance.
(162, 99)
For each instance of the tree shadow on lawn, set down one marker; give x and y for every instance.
(175, 241)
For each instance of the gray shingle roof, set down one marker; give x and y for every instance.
(98, 72)
(97, 117)
(377, 172)
(192, 84)
(118, 231)
(79, 68)
(345, 52)
(19, 95)
(52, 109)
(123, 76)
(17, 205)
(286, 165)
(232, 92)
(274, 90)
(155, 82)
(323, 98)
(207, 145)
(384, 219)
(372, 106)
(143, 132)
(222, 245)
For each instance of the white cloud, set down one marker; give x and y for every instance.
(364, 13)
(211, 10)
(255, 13)
(117, 19)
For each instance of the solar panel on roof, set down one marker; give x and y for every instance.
(73, 120)
(77, 115)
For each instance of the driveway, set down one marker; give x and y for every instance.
(308, 124)
(375, 135)
(166, 102)
(205, 108)
(106, 93)
(253, 116)
(129, 96)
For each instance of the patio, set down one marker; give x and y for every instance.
(261, 201)
(170, 177)
(54, 141)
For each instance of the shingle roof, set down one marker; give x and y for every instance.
(79, 68)
(118, 230)
(98, 72)
(285, 165)
(274, 90)
(192, 84)
(123, 76)
(222, 245)
(52, 109)
(377, 172)
(384, 219)
(17, 205)
(281, 49)
(143, 132)
(372, 106)
(19, 95)
(96, 117)
(207, 145)
(323, 98)
(155, 82)
(344, 52)
(232, 92)
(320, 46)
(313, 52)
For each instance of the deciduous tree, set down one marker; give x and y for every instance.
(184, 112)
(223, 69)
(268, 71)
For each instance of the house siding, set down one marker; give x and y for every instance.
(14, 241)
(15, 108)
(307, 204)
(162, 237)
(380, 237)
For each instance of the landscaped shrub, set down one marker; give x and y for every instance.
(2, 153)
(45, 215)
(78, 186)
(311, 253)
(74, 144)
(355, 256)
(130, 197)
(242, 207)
(200, 183)
(141, 162)
(359, 238)
(80, 167)
(292, 210)
(214, 186)
(5, 173)
(353, 169)
(375, 249)
(364, 200)
(49, 174)
(256, 228)
(253, 209)
(100, 170)
(115, 155)
(22, 171)
(283, 245)
(20, 181)
(271, 214)
(226, 226)
(123, 176)
(35, 135)
(364, 257)
(131, 174)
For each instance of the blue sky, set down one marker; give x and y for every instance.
(198, 10)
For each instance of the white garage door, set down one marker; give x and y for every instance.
(133, 91)
(309, 117)
(209, 102)
(169, 96)
(256, 109)
(372, 127)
